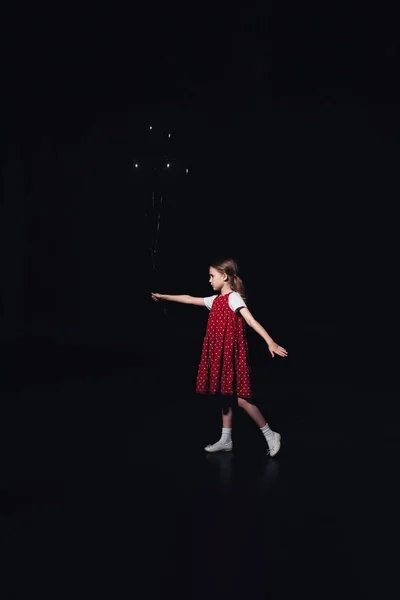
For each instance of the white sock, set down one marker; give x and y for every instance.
(268, 433)
(226, 435)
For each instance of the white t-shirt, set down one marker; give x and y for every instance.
(235, 301)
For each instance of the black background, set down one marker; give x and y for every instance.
(287, 117)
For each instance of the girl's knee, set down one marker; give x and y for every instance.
(242, 402)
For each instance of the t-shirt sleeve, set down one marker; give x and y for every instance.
(236, 301)
(208, 301)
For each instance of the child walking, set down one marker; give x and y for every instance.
(224, 365)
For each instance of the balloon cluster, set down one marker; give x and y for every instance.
(159, 160)
(157, 168)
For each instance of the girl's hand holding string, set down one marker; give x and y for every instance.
(275, 349)
(181, 298)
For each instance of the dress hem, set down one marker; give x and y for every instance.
(228, 395)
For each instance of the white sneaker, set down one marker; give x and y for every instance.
(274, 445)
(219, 447)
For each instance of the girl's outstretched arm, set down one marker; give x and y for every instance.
(183, 299)
(273, 346)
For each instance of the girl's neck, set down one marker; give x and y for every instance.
(226, 290)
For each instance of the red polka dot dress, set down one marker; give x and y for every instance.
(224, 365)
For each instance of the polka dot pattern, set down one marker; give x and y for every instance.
(224, 365)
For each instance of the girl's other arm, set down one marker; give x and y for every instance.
(183, 299)
(273, 346)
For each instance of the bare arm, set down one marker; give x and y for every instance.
(183, 299)
(273, 346)
(250, 320)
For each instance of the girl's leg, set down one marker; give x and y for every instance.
(253, 412)
(225, 441)
(227, 418)
(273, 438)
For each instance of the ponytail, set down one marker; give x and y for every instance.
(238, 286)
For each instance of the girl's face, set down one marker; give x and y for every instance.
(216, 280)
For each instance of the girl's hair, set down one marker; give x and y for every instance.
(231, 268)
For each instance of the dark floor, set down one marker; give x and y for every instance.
(105, 490)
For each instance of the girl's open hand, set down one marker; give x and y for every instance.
(275, 349)
(156, 297)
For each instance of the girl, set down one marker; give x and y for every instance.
(224, 366)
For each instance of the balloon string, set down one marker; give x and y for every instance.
(154, 246)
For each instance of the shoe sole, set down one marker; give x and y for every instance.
(219, 450)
